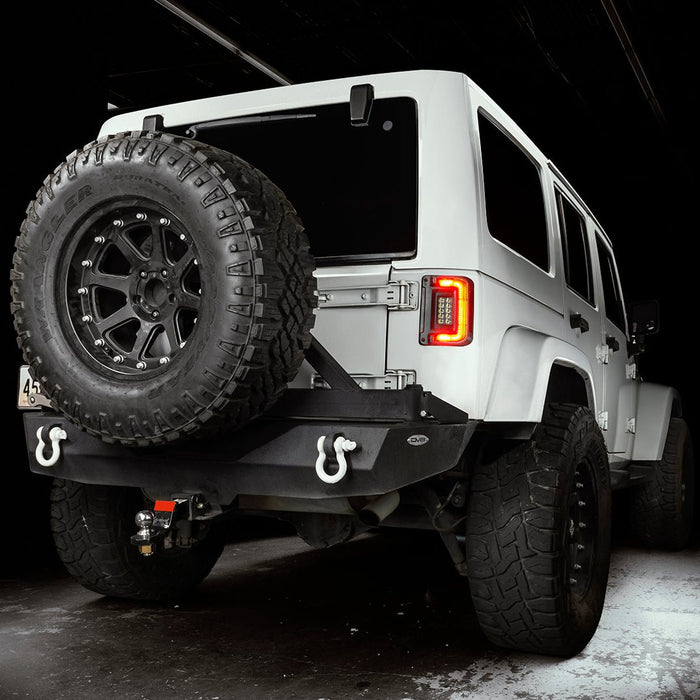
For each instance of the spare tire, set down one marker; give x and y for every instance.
(162, 288)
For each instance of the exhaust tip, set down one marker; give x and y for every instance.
(377, 510)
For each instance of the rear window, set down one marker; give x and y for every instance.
(354, 187)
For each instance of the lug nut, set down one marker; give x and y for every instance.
(86, 319)
(164, 273)
(99, 343)
(164, 221)
(163, 360)
(99, 239)
(182, 237)
(118, 223)
(86, 263)
(143, 274)
(155, 314)
(141, 216)
(140, 365)
(572, 581)
(577, 567)
(579, 485)
(118, 359)
(580, 547)
(82, 291)
(582, 503)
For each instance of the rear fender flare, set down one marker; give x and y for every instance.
(521, 378)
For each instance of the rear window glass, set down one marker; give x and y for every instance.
(354, 187)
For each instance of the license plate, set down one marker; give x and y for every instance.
(29, 393)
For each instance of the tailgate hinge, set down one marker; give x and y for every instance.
(397, 296)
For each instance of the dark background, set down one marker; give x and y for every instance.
(607, 92)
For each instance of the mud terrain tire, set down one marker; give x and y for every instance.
(161, 286)
(538, 536)
(662, 508)
(92, 526)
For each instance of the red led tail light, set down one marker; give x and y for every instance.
(447, 311)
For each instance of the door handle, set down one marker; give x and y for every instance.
(578, 321)
(612, 343)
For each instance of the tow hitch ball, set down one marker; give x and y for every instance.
(156, 525)
(143, 539)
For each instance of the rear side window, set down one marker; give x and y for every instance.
(515, 210)
(577, 255)
(614, 305)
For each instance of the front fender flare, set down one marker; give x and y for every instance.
(656, 404)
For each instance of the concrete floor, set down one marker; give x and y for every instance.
(380, 617)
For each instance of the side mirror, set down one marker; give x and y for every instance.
(644, 320)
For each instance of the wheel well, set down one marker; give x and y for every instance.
(566, 385)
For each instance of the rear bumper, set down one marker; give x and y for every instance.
(402, 437)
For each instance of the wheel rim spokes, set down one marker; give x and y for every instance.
(137, 283)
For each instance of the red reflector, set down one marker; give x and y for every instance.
(448, 308)
(164, 506)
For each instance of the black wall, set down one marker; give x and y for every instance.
(56, 102)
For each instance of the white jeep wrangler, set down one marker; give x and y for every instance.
(442, 344)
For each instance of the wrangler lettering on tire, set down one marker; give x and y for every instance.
(161, 286)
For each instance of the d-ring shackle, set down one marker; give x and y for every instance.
(341, 445)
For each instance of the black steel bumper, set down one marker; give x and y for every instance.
(402, 437)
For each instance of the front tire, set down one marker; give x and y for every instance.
(538, 536)
(92, 527)
(662, 509)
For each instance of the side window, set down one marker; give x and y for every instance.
(515, 209)
(577, 255)
(614, 306)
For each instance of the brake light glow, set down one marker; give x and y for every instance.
(448, 310)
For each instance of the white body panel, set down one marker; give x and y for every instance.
(522, 312)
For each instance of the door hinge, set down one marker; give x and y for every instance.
(602, 354)
(603, 420)
(397, 296)
(631, 425)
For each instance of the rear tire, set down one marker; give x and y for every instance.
(92, 526)
(661, 510)
(538, 536)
